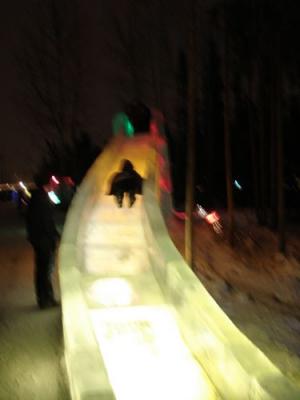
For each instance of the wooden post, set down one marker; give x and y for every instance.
(280, 152)
(190, 173)
(227, 137)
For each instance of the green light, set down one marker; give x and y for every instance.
(129, 129)
(121, 123)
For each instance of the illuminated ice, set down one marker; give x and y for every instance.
(111, 260)
(111, 292)
(145, 356)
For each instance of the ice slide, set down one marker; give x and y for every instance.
(137, 322)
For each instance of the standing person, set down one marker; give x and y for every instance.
(126, 181)
(43, 236)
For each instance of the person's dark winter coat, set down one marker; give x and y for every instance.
(43, 236)
(40, 220)
(126, 181)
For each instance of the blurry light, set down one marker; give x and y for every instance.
(23, 186)
(236, 184)
(121, 123)
(53, 197)
(28, 194)
(212, 217)
(153, 128)
(129, 129)
(55, 180)
(165, 184)
(180, 214)
(201, 211)
(69, 181)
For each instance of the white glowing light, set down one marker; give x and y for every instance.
(201, 211)
(236, 184)
(55, 180)
(53, 197)
(111, 292)
(22, 185)
(212, 217)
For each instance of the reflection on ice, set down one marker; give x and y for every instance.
(111, 292)
(145, 356)
(111, 260)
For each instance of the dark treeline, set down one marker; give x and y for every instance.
(71, 159)
(256, 42)
(247, 94)
(248, 89)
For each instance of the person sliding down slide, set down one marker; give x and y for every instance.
(126, 181)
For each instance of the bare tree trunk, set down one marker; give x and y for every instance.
(57, 33)
(47, 65)
(262, 150)
(75, 112)
(279, 153)
(273, 198)
(262, 162)
(280, 184)
(227, 140)
(252, 109)
(158, 56)
(190, 176)
(252, 134)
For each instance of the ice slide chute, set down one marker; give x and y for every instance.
(138, 324)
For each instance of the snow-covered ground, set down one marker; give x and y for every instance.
(258, 288)
(31, 349)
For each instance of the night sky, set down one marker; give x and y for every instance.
(12, 148)
(19, 150)
(101, 99)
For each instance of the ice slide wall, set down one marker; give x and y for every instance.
(234, 365)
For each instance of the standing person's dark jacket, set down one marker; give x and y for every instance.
(40, 220)
(43, 236)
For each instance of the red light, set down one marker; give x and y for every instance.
(180, 214)
(165, 184)
(212, 217)
(69, 181)
(153, 128)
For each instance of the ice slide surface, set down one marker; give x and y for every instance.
(138, 324)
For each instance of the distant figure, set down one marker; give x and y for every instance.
(126, 181)
(43, 236)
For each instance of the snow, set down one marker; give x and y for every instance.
(31, 357)
(257, 287)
